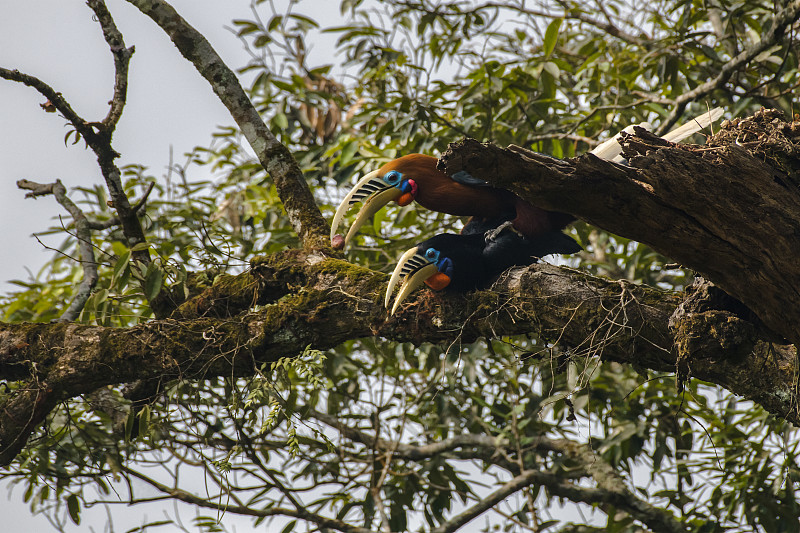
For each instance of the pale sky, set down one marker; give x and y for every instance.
(168, 103)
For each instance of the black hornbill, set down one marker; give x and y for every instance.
(414, 177)
(470, 260)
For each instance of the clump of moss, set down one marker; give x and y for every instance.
(767, 135)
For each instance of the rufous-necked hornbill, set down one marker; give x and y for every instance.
(470, 260)
(414, 177)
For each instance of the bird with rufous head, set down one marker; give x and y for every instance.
(415, 178)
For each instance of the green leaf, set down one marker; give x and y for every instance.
(144, 421)
(274, 23)
(120, 267)
(280, 121)
(101, 296)
(74, 508)
(307, 22)
(153, 280)
(129, 422)
(283, 85)
(348, 152)
(551, 37)
(552, 69)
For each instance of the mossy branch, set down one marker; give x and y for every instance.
(306, 299)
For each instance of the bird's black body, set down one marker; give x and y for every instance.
(476, 260)
(459, 263)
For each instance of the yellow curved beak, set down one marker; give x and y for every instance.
(416, 270)
(374, 192)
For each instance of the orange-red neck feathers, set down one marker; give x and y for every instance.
(437, 192)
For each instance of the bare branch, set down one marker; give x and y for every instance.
(82, 233)
(122, 56)
(54, 98)
(98, 136)
(657, 519)
(37, 189)
(276, 159)
(99, 140)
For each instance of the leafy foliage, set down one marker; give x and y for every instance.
(350, 432)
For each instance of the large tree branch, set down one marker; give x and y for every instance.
(730, 211)
(324, 302)
(276, 159)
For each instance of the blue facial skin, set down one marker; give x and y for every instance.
(445, 264)
(395, 179)
(432, 255)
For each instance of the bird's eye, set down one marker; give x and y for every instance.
(432, 255)
(392, 177)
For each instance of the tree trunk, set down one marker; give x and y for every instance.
(729, 210)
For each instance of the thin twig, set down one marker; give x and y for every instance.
(783, 19)
(83, 234)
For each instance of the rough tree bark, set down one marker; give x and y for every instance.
(311, 299)
(729, 210)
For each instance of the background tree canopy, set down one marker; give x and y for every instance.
(196, 339)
